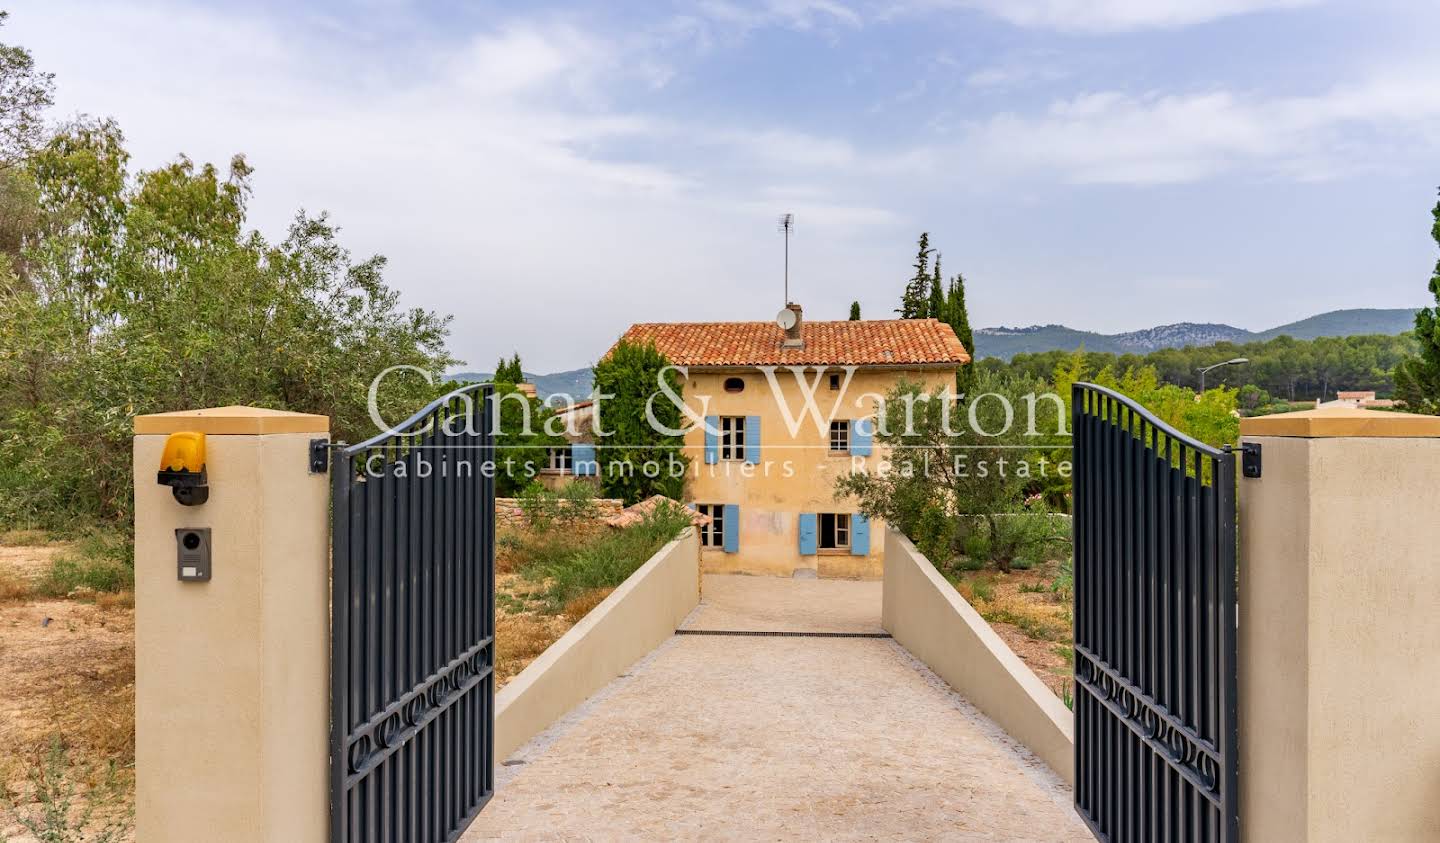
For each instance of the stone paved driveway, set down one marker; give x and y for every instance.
(761, 738)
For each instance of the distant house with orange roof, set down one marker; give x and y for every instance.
(1360, 399)
(763, 467)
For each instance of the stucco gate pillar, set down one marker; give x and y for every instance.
(231, 672)
(1340, 628)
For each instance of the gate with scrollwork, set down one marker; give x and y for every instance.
(1156, 743)
(413, 626)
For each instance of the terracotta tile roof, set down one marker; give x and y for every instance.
(876, 342)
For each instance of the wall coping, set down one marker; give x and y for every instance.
(232, 420)
(1334, 422)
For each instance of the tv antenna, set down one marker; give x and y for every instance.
(787, 225)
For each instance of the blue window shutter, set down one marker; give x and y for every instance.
(732, 528)
(860, 437)
(859, 535)
(808, 537)
(582, 459)
(752, 439)
(712, 440)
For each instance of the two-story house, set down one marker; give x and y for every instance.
(764, 464)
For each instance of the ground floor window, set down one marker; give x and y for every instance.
(834, 531)
(559, 459)
(712, 534)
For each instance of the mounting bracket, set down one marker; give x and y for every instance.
(319, 456)
(1250, 464)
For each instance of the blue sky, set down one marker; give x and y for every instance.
(551, 172)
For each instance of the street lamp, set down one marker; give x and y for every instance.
(1235, 362)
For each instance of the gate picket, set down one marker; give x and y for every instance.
(413, 626)
(1156, 743)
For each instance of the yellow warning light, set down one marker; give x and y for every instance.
(182, 468)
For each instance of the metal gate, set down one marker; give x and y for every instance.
(413, 626)
(1156, 747)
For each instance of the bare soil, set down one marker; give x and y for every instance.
(67, 674)
(1033, 620)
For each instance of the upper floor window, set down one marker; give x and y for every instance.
(834, 381)
(734, 384)
(732, 437)
(559, 459)
(839, 436)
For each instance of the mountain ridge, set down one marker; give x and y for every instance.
(1005, 342)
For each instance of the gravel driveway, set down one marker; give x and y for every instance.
(778, 738)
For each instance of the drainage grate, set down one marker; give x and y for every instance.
(763, 634)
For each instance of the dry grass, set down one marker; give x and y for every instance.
(67, 669)
(25, 538)
(580, 605)
(1033, 621)
(520, 639)
(13, 586)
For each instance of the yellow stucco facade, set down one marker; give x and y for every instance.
(796, 468)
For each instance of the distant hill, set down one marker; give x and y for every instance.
(1007, 342)
(575, 383)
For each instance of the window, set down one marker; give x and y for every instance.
(732, 437)
(712, 534)
(834, 531)
(839, 436)
(559, 459)
(734, 384)
(834, 381)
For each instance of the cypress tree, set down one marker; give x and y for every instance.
(854, 311)
(1417, 380)
(915, 303)
(937, 297)
(959, 318)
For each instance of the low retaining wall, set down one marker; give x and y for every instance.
(509, 514)
(635, 619)
(928, 617)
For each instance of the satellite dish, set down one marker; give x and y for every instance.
(785, 318)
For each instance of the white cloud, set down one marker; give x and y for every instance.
(1114, 137)
(1108, 15)
(798, 14)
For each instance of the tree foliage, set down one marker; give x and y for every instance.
(1417, 380)
(958, 474)
(509, 371)
(915, 301)
(934, 298)
(1286, 368)
(25, 93)
(145, 293)
(854, 311)
(627, 379)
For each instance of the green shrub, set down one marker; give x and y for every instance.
(1021, 539)
(545, 510)
(101, 561)
(601, 560)
(934, 534)
(1063, 586)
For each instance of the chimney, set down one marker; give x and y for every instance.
(792, 334)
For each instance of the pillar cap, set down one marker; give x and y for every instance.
(239, 421)
(1352, 422)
